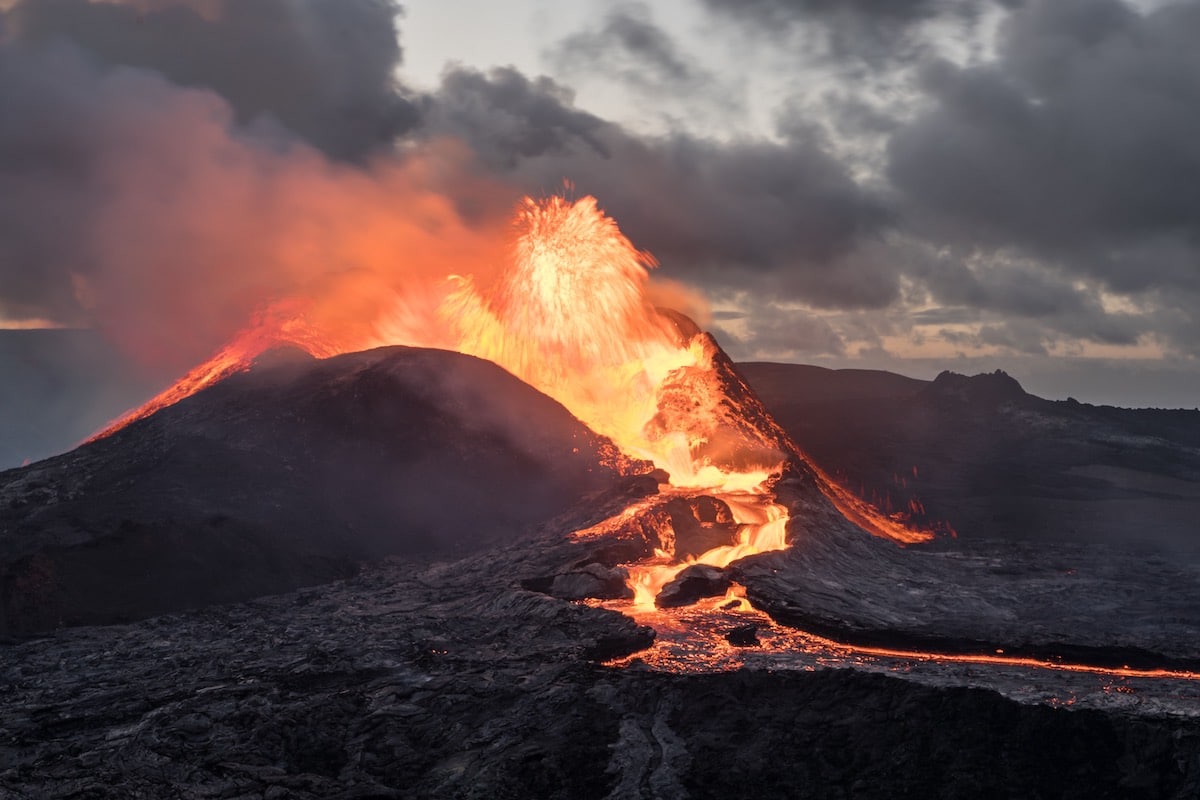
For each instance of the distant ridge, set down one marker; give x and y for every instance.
(804, 383)
(993, 461)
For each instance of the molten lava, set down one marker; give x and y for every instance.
(570, 315)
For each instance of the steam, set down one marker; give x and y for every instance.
(147, 211)
(163, 205)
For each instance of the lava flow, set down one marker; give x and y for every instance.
(570, 315)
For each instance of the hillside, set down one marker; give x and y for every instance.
(287, 475)
(992, 460)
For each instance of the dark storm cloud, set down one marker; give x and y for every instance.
(507, 118)
(94, 96)
(324, 69)
(999, 285)
(876, 32)
(1081, 144)
(779, 214)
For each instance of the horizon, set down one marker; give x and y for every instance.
(71, 393)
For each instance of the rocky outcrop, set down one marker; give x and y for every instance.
(691, 584)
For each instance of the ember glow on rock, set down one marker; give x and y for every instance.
(570, 314)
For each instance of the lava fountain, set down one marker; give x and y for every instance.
(570, 315)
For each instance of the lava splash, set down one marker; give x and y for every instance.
(570, 314)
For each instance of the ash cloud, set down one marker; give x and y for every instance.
(323, 69)
(152, 212)
(166, 166)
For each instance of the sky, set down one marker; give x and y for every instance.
(910, 185)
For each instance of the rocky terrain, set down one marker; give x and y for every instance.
(286, 475)
(451, 681)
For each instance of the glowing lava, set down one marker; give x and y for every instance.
(570, 315)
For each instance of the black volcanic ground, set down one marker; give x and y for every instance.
(994, 461)
(451, 661)
(284, 476)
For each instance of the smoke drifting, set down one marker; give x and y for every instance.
(324, 69)
(175, 165)
(167, 216)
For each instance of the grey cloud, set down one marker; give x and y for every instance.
(781, 215)
(1081, 143)
(1015, 336)
(324, 69)
(507, 119)
(1020, 289)
(774, 333)
(945, 315)
(629, 41)
(1031, 297)
(1079, 148)
(874, 32)
(1069, 164)
(628, 48)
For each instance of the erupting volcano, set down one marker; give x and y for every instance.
(562, 515)
(570, 315)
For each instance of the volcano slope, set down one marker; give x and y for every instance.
(1114, 588)
(287, 475)
(994, 461)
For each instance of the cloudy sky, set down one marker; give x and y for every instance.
(910, 185)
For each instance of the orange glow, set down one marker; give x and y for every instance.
(763, 529)
(707, 651)
(867, 517)
(568, 312)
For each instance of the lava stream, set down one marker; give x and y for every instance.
(763, 528)
(571, 315)
(694, 640)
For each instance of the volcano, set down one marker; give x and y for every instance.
(559, 550)
(485, 645)
(286, 475)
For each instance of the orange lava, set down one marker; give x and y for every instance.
(570, 314)
(763, 529)
(706, 649)
(867, 517)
